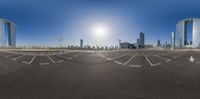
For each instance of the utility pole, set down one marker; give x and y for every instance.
(60, 40)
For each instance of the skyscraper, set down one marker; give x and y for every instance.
(182, 33)
(172, 41)
(138, 42)
(81, 43)
(158, 43)
(142, 41)
(7, 34)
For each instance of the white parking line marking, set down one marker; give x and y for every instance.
(25, 62)
(15, 58)
(64, 57)
(168, 55)
(167, 60)
(156, 64)
(77, 55)
(101, 55)
(118, 62)
(135, 66)
(119, 57)
(60, 61)
(44, 63)
(179, 55)
(104, 56)
(130, 59)
(51, 59)
(197, 61)
(150, 61)
(32, 59)
(108, 58)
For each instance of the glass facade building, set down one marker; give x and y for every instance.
(181, 39)
(142, 44)
(81, 43)
(7, 33)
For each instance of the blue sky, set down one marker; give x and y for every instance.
(44, 22)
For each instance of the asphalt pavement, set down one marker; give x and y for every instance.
(101, 75)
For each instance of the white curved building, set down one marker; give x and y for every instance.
(181, 33)
(7, 33)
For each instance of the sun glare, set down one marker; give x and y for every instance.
(100, 31)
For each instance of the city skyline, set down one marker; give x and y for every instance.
(73, 19)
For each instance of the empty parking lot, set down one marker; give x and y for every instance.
(125, 74)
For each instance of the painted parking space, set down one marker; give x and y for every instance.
(155, 60)
(138, 61)
(148, 58)
(42, 60)
(14, 55)
(57, 58)
(26, 59)
(166, 56)
(176, 54)
(123, 60)
(5, 54)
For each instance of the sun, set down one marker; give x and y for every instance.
(100, 31)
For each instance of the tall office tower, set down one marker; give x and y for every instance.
(138, 42)
(158, 43)
(7, 34)
(81, 43)
(172, 41)
(182, 33)
(142, 44)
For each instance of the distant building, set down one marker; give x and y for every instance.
(127, 45)
(148, 46)
(172, 41)
(142, 40)
(138, 42)
(7, 33)
(87, 47)
(158, 43)
(181, 38)
(81, 43)
(124, 45)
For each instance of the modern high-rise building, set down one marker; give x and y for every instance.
(7, 33)
(142, 41)
(158, 43)
(81, 43)
(172, 40)
(181, 38)
(138, 42)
